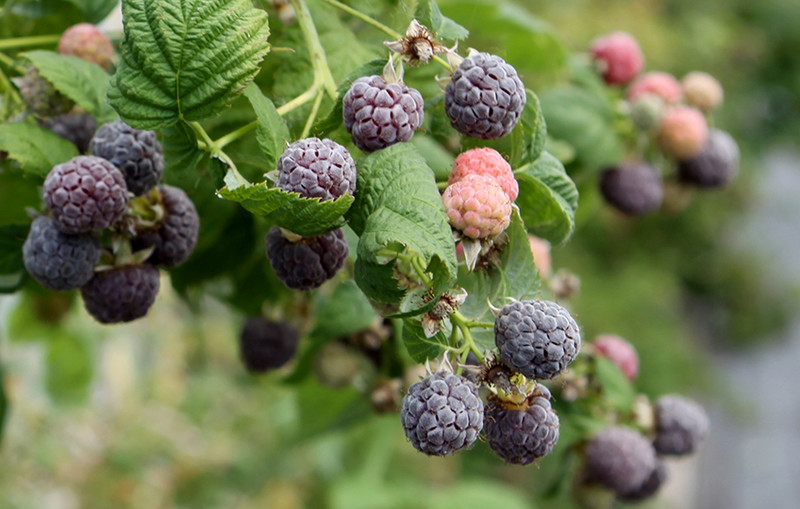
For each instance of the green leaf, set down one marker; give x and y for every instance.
(69, 368)
(12, 237)
(419, 347)
(83, 82)
(429, 14)
(617, 389)
(95, 11)
(532, 132)
(548, 199)
(398, 208)
(272, 132)
(344, 312)
(304, 216)
(436, 156)
(185, 60)
(38, 314)
(181, 153)
(37, 149)
(3, 403)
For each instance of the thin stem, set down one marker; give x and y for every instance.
(34, 40)
(420, 270)
(235, 135)
(322, 72)
(464, 324)
(298, 101)
(312, 116)
(366, 19)
(214, 149)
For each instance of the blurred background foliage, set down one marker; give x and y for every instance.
(160, 413)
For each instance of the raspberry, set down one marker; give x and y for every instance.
(175, 236)
(702, 91)
(57, 260)
(87, 42)
(650, 486)
(485, 97)
(620, 459)
(266, 345)
(442, 414)
(75, 127)
(634, 188)
(618, 351)
(521, 434)
(536, 338)
(661, 84)
(41, 97)
(716, 164)
(378, 114)
(122, 294)
(86, 193)
(317, 168)
(683, 132)
(541, 255)
(647, 111)
(308, 262)
(618, 56)
(489, 163)
(477, 207)
(681, 425)
(136, 153)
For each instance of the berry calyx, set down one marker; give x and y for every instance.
(618, 57)
(266, 345)
(175, 236)
(317, 168)
(489, 163)
(306, 263)
(122, 294)
(477, 207)
(137, 153)
(633, 188)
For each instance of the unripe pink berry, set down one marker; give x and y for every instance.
(620, 352)
(477, 207)
(87, 42)
(702, 90)
(489, 163)
(662, 84)
(541, 255)
(683, 132)
(618, 56)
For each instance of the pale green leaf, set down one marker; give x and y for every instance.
(95, 11)
(181, 153)
(344, 312)
(35, 148)
(617, 389)
(419, 347)
(429, 14)
(272, 132)
(547, 199)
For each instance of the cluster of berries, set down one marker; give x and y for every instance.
(115, 189)
(675, 116)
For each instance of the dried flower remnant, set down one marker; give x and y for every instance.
(418, 46)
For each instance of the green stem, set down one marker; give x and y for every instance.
(416, 262)
(214, 149)
(235, 135)
(322, 73)
(312, 116)
(464, 324)
(34, 40)
(366, 19)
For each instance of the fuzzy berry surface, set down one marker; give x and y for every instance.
(650, 486)
(646, 112)
(86, 193)
(681, 425)
(137, 153)
(442, 414)
(683, 132)
(485, 97)
(489, 163)
(41, 97)
(620, 352)
(521, 434)
(265, 345)
(618, 57)
(87, 42)
(57, 260)
(620, 459)
(122, 294)
(378, 114)
(660, 84)
(634, 188)
(702, 91)
(79, 128)
(309, 262)
(317, 168)
(715, 166)
(175, 237)
(477, 206)
(537, 338)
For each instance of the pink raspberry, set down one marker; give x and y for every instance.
(618, 56)
(487, 162)
(661, 84)
(87, 42)
(683, 132)
(702, 90)
(618, 351)
(477, 206)
(541, 255)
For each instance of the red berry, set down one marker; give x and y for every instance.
(477, 207)
(489, 163)
(620, 352)
(662, 84)
(618, 56)
(87, 42)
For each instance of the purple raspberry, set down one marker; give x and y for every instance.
(307, 263)
(86, 193)
(681, 425)
(57, 260)
(715, 166)
(442, 414)
(633, 188)
(122, 294)
(175, 236)
(539, 339)
(620, 459)
(317, 168)
(378, 114)
(41, 97)
(265, 345)
(521, 434)
(75, 127)
(650, 486)
(137, 153)
(485, 97)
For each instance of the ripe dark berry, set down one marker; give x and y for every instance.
(137, 154)
(539, 339)
(485, 97)
(87, 42)
(175, 236)
(317, 168)
(78, 128)
(41, 97)
(266, 345)
(308, 262)
(442, 414)
(378, 114)
(716, 164)
(86, 193)
(681, 425)
(57, 260)
(521, 434)
(634, 188)
(122, 294)
(620, 459)
(650, 486)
